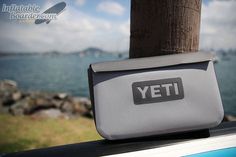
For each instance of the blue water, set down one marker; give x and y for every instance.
(60, 73)
(68, 73)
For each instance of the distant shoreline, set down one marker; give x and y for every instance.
(88, 51)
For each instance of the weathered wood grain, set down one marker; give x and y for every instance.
(160, 27)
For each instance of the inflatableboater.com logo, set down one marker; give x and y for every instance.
(25, 12)
(32, 12)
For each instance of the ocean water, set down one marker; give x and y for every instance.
(68, 73)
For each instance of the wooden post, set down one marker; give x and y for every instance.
(160, 27)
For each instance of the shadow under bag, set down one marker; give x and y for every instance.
(155, 95)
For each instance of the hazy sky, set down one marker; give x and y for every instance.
(104, 24)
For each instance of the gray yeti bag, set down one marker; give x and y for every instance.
(155, 95)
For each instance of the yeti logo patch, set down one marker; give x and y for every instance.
(157, 91)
